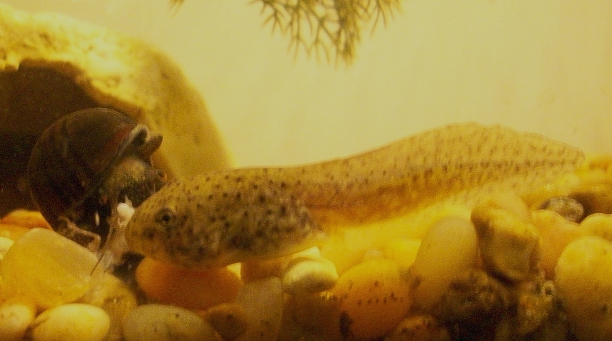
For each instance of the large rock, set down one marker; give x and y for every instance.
(51, 65)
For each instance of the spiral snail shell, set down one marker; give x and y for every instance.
(51, 65)
(88, 161)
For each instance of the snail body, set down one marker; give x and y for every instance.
(222, 217)
(86, 162)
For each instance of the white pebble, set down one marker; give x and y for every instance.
(74, 322)
(15, 317)
(125, 212)
(309, 274)
(449, 248)
(228, 319)
(583, 278)
(263, 307)
(166, 323)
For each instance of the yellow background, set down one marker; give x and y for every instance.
(542, 66)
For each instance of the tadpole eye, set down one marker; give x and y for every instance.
(166, 217)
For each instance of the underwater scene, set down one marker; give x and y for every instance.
(305, 170)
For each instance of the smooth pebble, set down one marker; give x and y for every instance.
(48, 268)
(449, 248)
(25, 218)
(262, 302)
(308, 274)
(556, 233)
(15, 316)
(166, 323)
(5, 244)
(374, 298)
(117, 300)
(192, 289)
(74, 322)
(403, 251)
(569, 208)
(419, 328)
(316, 315)
(254, 270)
(228, 319)
(509, 202)
(583, 278)
(595, 198)
(508, 241)
(12, 231)
(598, 224)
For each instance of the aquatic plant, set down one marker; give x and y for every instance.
(329, 28)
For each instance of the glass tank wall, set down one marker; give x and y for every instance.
(535, 66)
(172, 219)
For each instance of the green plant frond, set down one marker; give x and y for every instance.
(386, 10)
(327, 26)
(324, 26)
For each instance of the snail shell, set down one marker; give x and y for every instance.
(51, 65)
(86, 162)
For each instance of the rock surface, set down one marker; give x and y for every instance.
(51, 65)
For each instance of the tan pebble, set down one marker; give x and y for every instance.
(569, 208)
(419, 328)
(291, 330)
(253, 270)
(74, 322)
(193, 289)
(583, 278)
(590, 177)
(4, 292)
(345, 251)
(374, 297)
(48, 268)
(228, 319)
(302, 272)
(602, 162)
(534, 308)
(260, 269)
(598, 224)
(473, 303)
(262, 302)
(595, 198)
(402, 251)
(116, 298)
(354, 245)
(561, 187)
(449, 248)
(509, 244)
(311, 252)
(166, 323)
(555, 233)
(509, 202)
(12, 231)
(308, 274)
(25, 218)
(373, 253)
(5, 244)
(317, 315)
(16, 314)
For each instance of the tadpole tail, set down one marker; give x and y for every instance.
(457, 163)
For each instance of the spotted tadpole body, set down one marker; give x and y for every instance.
(222, 217)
